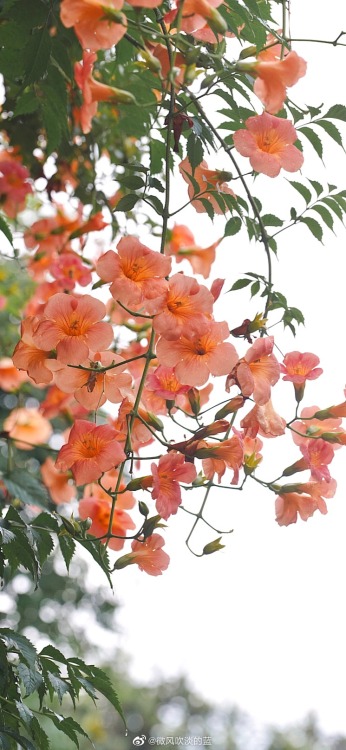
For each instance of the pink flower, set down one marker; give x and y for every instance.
(187, 306)
(304, 499)
(317, 455)
(72, 326)
(149, 555)
(263, 420)
(170, 470)
(96, 504)
(90, 451)
(28, 427)
(136, 272)
(14, 185)
(164, 382)
(92, 387)
(216, 457)
(93, 91)
(69, 270)
(268, 141)
(257, 371)
(196, 357)
(306, 426)
(207, 180)
(298, 367)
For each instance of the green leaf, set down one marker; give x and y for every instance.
(194, 151)
(37, 54)
(103, 684)
(156, 204)
(127, 203)
(18, 738)
(26, 104)
(324, 214)
(208, 207)
(314, 139)
(5, 229)
(269, 220)
(66, 725)
(68, 548)
(99, 552)
(157, 155)
(26, 488)
(59, 686)
(255, 287)
(39, 735)
(52, 124)
(31, 678)
(337, 112)
(314, 226)
(317, 187)
(240, 284)
(301, 189)
(21, 645)
(53, 653)
(232, 227)
(133, 182)
(331, 129)
(334, 206)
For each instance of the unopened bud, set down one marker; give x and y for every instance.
(140, 483)
(154, 421)
(194, 401)
(216, 22)
(153, 63)
(124, 561)
(248, 52)
(143, 508)
(233, 405)
(213, 546)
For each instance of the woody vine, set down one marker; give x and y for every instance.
(122, 393)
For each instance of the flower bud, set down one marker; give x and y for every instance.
(140, 483)
(213, 546)
(143, 508)
(233, 405)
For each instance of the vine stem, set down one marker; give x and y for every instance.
(228, 151)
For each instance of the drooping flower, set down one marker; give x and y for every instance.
(147, 554)
(96, 504)
(196, 357)
(97, 23)
(263, 420)
(274, 77)
(268, 142)
(136, 272)
(28, 428)
(90, 451)
(167, 474)
(257, 371)
(196, 13)
(14, 185)
(216, 457)
(302, 499)
(29, 357)
(10, 378)
(317, 455)
(207, 180)
(93, 91)
(73, 326)
(57, 482)
(307, 426)
(182, 246)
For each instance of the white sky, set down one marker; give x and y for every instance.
(263, 623)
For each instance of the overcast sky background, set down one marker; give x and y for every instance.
(263, 623)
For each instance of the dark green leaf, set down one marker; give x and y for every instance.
(331, 129)
(31, 678)
(194, 151)
(255, 287)
(133, 182)
(324, 214)
(5, 229)
(37, 54)
(302, 190)
(127, 203)
(314, 139)
(233, 226)
(53, 653)
(26, 103)
(157, 155)
(208, 207)
(269, 220)
(240, 284)
(68, 548)
(26, 488)
(314, 226)
(20, 644)
(334, 206)
(103, 684)
(337, 112)
(316, 186)
(156, 204)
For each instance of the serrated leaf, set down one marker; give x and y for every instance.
(127, 203)
(157, 155)
(31, 678)
(26, 104)
(21, 645)
(337, 112)
(324, 214)
(26, 488)
(24, 712)
(99, 552)
(156, 184)
(156, 204)
(269, 220)
(208, 207)
(232, 227)
(5, 229)
(314, 139)
(66, 725)
(331, 129)
(37, 54)
(53, 653)
(104, 686)
(18, 738)
(334, 206)
(240, 284)
(68, 548)
(194, 151)
(52, 124)
(301, 189)
(314, 226)
(132, 181)
(39, 735)
(317, 187)
(59, 686)
(255, 287)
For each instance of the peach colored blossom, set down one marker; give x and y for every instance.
(93, 92)
(331, 411)
(165, 383)
(136, 272)
(207, 180)
(55, 402)
(263, 420)
(304, 499)
(196, 13)
(57, 482)
(10, 378)
(72, 326)
(98, 508)
(298, 367)
(92, 22)
(216, 457)
(317, 455)
(69, 270)
(14, 185)
(182, 246)
(125, 500)
(187, 305)
(268, 142)
(170, 470)
(308, 426)
(274, 48)
(149, 555)
(274, 77)
(257, 371)
(90, 451)
(140, 434)
(196, 357)
(28, 427)
(93, 388)
(28, 356)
